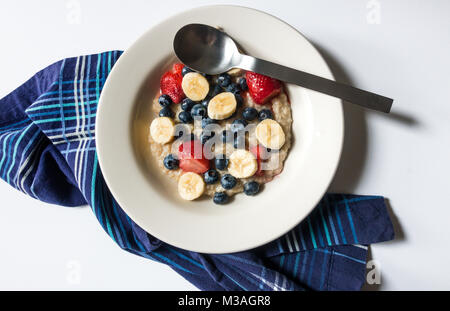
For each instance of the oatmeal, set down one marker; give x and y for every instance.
(230, 132)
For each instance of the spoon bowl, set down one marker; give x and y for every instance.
(206, 49)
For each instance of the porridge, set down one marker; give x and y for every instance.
(220, 135)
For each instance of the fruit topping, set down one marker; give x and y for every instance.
(186, 70)
(270, 134)
(170, 85)
(221, 162)
(222, 106)
(190, 154)
(228, 181)
(251, 188)
(191, 186)
(185, 116)
(162, 130)
(243, 164)
(187, 104)
(243, 84)
(224, 80)
(166, 112)
(262, 88)
(249, 113)
(211, 177)
(195, 86)
(165, 100)
(171, 162)
(260, 153)
(238, 125)
(198, 111)
(265, 114)
(220, 198)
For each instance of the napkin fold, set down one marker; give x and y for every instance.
(47, 150)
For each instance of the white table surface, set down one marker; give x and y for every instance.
(395, 47)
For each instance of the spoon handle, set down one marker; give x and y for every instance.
(316, 83)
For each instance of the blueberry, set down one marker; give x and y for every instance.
(198, 111)
(185, 117)
(238, 125)
(208, 77)
(189, 137)
(165, 100)
(211, 177)
(249, 113)
(213, 91)
(221, 162)
(180, 130)
(251, 188)
(207, 121)
(224, 80)
(170, 162)
(187, 104)
(243, 84)
(228, 181)
(226, 136)
(166, 112)
(239, 142)
(265, 114)
(186, 70)
(233, 88)
(239, 99)
(205, 102)
(220, 198)
(205, 137)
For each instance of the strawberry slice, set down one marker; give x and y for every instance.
(192, 149)
(191, 157)
(177, 68)
(262, 88)
(259, 153)
(194, 165)
(170, 84)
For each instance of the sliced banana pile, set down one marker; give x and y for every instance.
(195, 86)
(270, 134)
(162, 130)
(222, 106)
(242, 164)
(191, 186)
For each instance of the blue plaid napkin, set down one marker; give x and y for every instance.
(47, 150)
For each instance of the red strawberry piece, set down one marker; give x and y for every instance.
(177, 68)
(260, 154)
(171, 85)
(191, 157)
(190, 149)
(262, 88)
(194, 165)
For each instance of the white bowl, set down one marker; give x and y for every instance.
(151, 200)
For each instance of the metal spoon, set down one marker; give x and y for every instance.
(211, 51)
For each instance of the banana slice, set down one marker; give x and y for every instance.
(222, 106)
(235, 72)
(191, 186)
(162, 130)
(242, 164)
(195, 86)
(270, 134)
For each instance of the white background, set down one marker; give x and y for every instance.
(401, 50)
